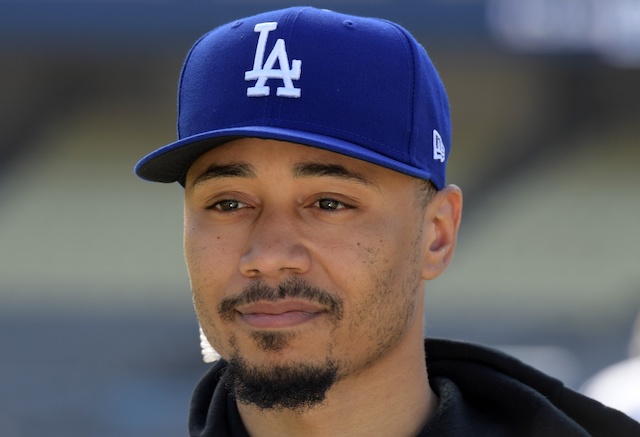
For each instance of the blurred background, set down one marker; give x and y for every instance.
(97, 334)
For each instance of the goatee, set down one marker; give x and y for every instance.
(293, 386)
(297, 387)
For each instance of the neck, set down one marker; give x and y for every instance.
(390, 398)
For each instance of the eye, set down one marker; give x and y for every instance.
(330, 204)
(228, 205)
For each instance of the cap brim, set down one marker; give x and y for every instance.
(171, 162)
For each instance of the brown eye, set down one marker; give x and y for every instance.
(227, 205)
(330, 204)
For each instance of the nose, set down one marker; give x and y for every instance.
(276, 248)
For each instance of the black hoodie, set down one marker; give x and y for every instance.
(481, 392)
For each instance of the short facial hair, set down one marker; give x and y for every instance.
(296, 386)
(290, 288)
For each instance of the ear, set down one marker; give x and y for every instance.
(441, 224)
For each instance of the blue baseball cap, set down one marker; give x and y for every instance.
(361, 87)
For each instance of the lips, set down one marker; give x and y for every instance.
(281, 314)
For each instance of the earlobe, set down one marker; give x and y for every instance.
(442, 221)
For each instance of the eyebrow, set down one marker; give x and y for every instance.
(240, 170)
(300, 170)
(314, 169)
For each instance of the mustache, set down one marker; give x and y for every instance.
(289, 288)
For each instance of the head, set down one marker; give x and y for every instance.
(315, 197)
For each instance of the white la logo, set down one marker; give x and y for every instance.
(262, 73)
(438, 147)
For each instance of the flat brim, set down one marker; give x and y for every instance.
(171, 162)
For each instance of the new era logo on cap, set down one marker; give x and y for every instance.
(367, 90)
(262, 73)
(439, 150)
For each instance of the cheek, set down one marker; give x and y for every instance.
(370, 253)
(379, 246)
(205, 243)
(196, 253)
(386, 259)
(360, 261)
(208, 258)
(207, 262)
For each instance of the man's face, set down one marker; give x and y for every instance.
(300, 257)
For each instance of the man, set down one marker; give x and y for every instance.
(312, 149)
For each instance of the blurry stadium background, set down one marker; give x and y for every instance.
(97, 335)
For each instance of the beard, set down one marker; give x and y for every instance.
(300, 386)
(296, 387)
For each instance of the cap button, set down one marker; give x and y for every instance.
(348, 24)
